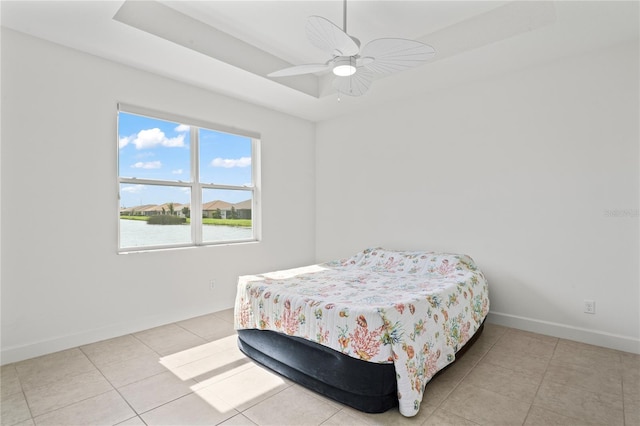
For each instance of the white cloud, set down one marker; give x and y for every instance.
(124, 141)
(177, 171)
(182, 128)
(147, 165)
(151, 138)
(228, 163)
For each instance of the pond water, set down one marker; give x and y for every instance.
(137, 233)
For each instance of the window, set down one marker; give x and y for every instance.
(183, 182)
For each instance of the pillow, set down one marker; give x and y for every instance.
(407, 262)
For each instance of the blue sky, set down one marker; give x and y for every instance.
(160, 150)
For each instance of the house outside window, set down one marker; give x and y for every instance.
(183, 182)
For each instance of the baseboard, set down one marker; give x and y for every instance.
(60, 343)
(564, 331)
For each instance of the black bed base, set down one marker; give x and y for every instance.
(365, 386)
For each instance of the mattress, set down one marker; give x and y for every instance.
(410, 310)
(365, 386)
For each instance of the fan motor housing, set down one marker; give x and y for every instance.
(344, 66)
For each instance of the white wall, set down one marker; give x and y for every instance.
(517, 171)
(62, 282)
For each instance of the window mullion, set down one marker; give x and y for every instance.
(218, 186)
(136, 181)
(196, 189)
(255, 190)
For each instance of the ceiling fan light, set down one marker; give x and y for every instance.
(344, 66)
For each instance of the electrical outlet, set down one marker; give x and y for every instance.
(212, 284)
(589, 306)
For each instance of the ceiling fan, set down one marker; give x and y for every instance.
(354, 68)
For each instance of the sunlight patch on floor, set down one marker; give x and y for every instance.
(226, 378)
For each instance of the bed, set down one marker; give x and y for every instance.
(370, 330)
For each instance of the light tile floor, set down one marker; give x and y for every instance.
(192, 373)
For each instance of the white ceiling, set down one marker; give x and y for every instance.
(230, 46)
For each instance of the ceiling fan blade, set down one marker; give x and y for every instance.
(299, 70)
(354, 85)
(395, 54)
(327, 36)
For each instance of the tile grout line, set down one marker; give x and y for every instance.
(73, 403)
(566, 385)
(555, 346)
(62, 378)
(137, 414)
(135, 357)
(269, 397)
(24, 395)
(115, 388)
(624, 412)
(190, 332)
(95, 368)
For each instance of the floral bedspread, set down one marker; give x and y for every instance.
(412, 309)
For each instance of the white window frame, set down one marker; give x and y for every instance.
(195, 185)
